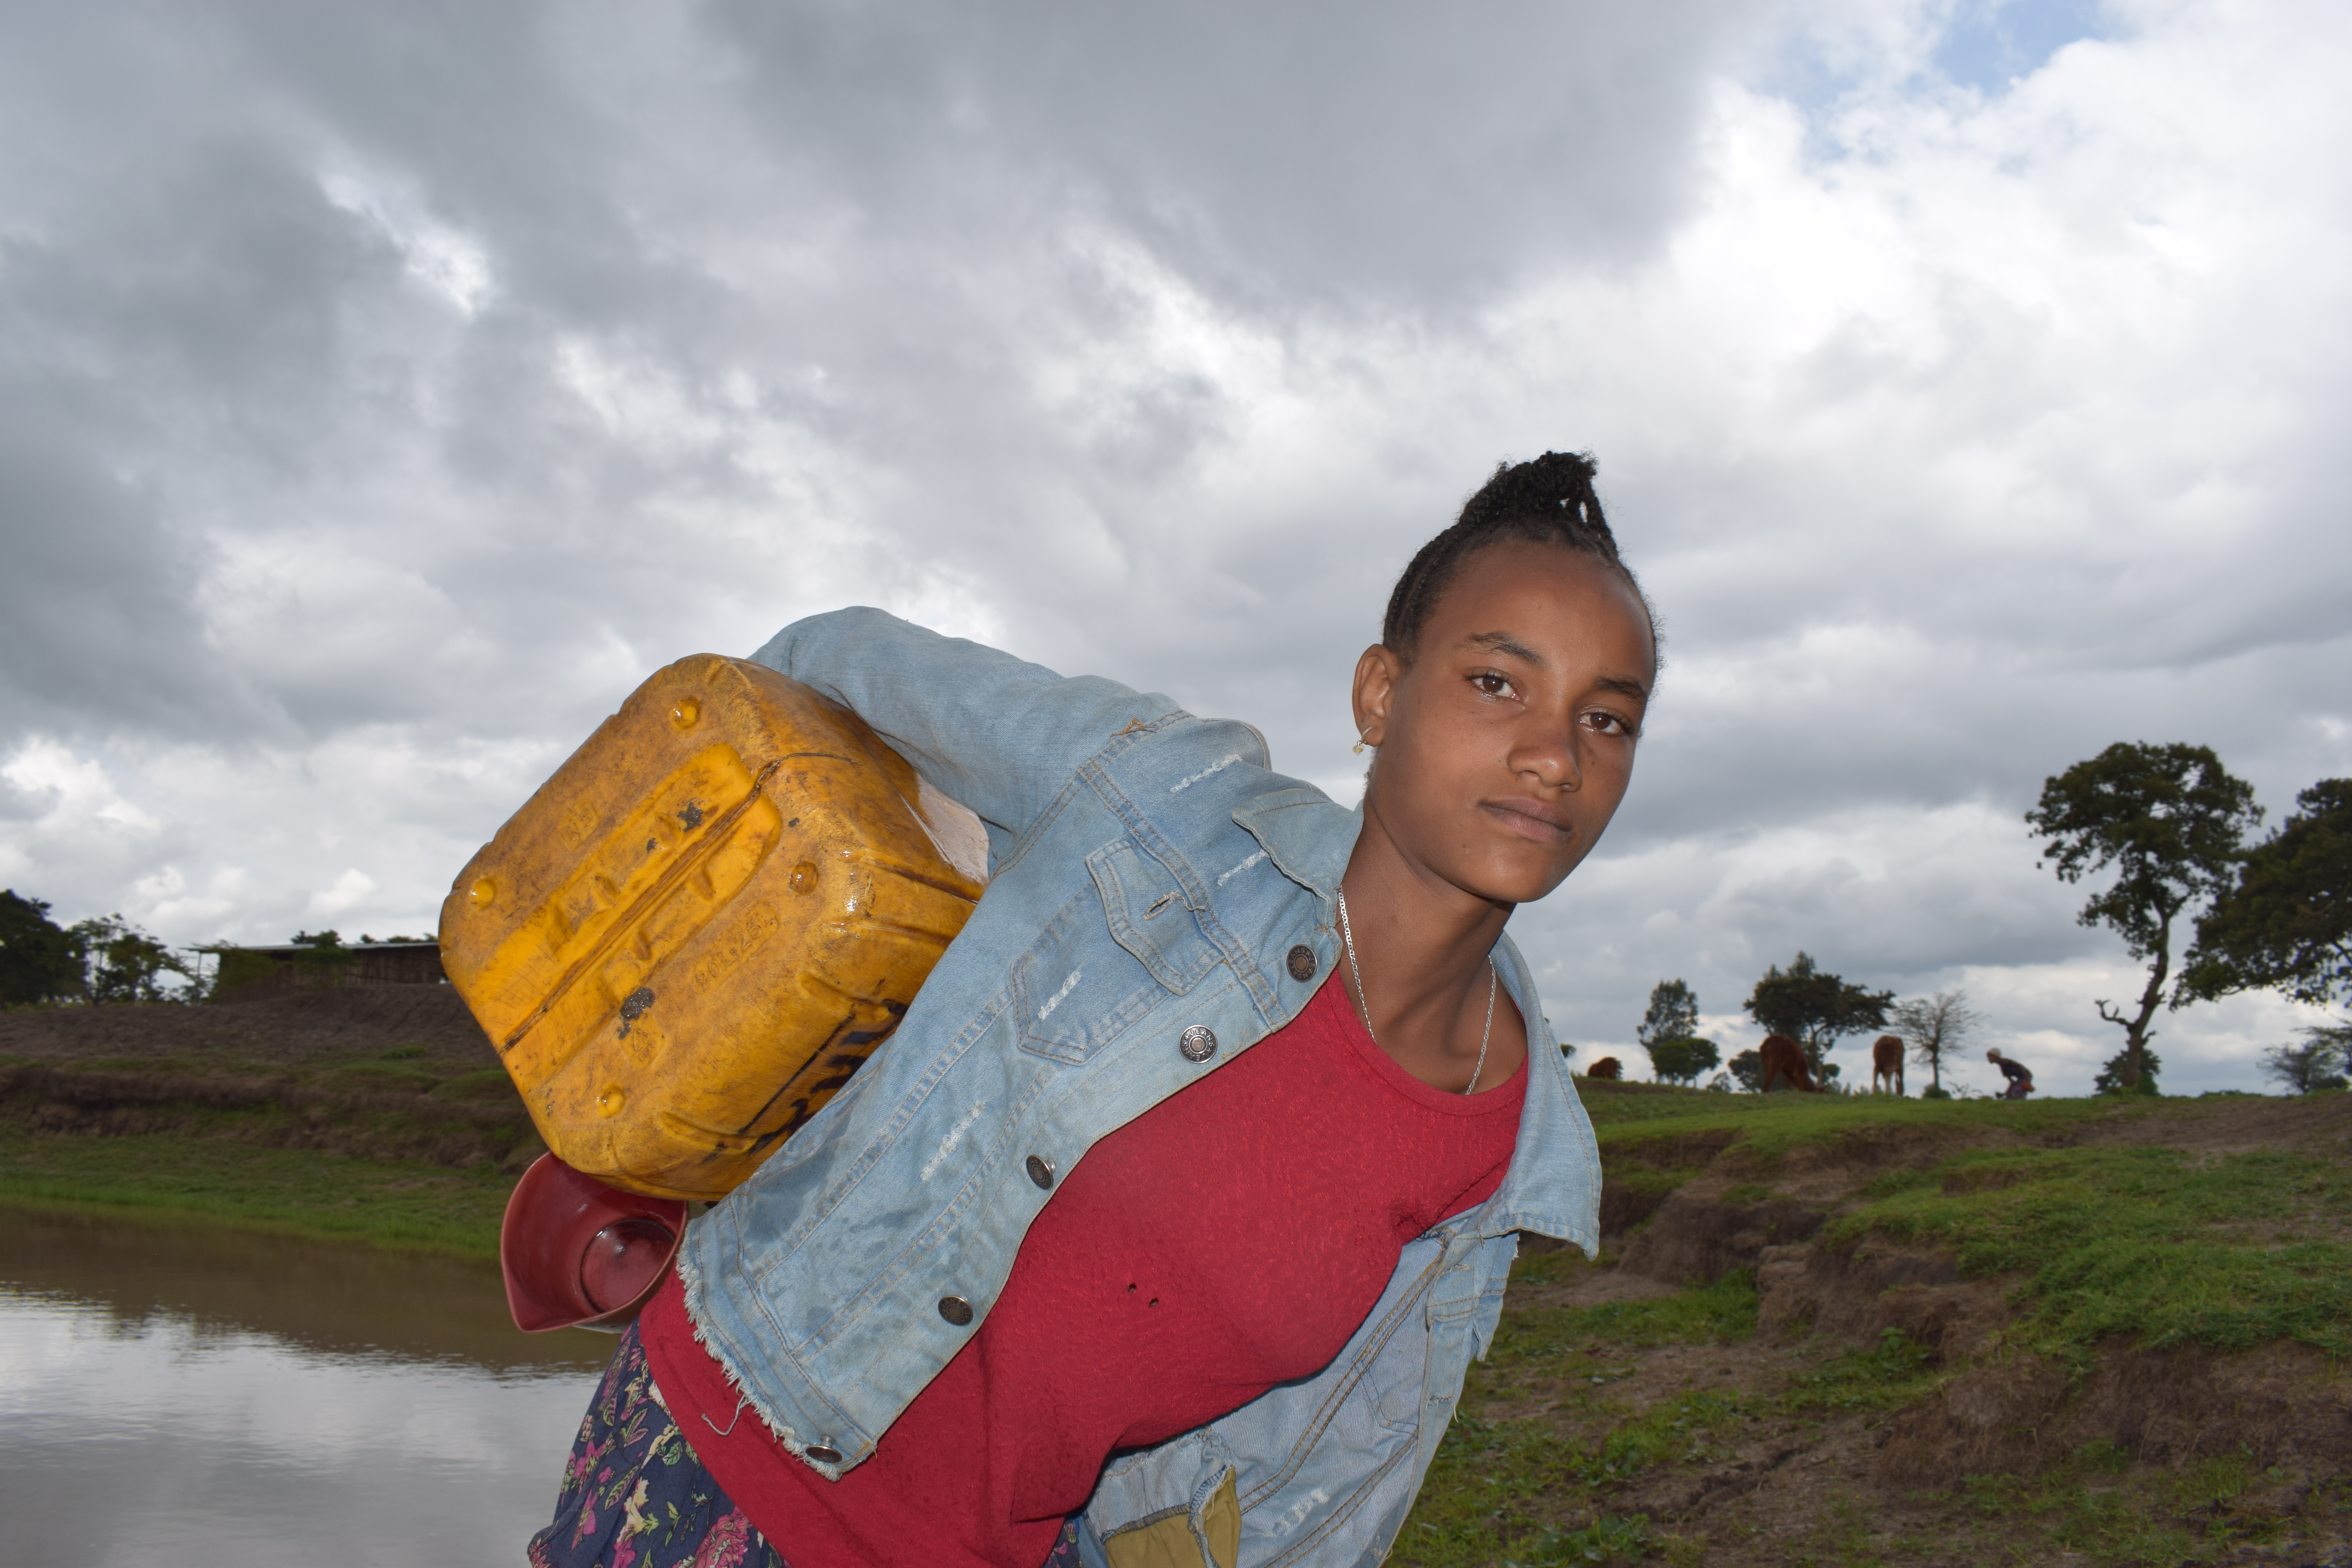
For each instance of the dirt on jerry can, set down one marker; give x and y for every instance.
(688, 940)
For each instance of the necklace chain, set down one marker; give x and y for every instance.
(1493, 979)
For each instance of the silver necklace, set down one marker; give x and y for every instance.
(1493, 979)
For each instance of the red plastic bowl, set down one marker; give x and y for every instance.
(577, 1254)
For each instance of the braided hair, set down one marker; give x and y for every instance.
(1547, 501)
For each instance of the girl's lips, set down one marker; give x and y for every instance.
(1532, 819)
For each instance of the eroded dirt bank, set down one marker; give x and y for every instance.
(379, 1072)
(1775, 1361)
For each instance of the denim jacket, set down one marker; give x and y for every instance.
(1152, 879)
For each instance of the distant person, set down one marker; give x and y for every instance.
(2020, 1081)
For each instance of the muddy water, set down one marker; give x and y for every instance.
(205, 1399)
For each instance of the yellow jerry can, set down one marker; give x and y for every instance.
(686, 940)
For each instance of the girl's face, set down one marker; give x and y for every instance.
(1508, 740)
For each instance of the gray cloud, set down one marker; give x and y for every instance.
(1315, 153)
(944, 194)
(386, 390)
(96, 625)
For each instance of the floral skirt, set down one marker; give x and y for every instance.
(635, 1496)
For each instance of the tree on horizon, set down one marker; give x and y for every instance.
(38, 959)
(1935, 1028)
(2319, 1063)
(2286, 923)
(2171, 821)
(1816, 1009)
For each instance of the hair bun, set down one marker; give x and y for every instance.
(1555, 487)
(1547, 499)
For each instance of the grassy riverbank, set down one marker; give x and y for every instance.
(374, 1114)
(1824, 1330)
(408, 1205)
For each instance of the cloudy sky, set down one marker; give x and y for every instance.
(385, 389)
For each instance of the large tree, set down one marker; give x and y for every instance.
(2172, 822)
(2286, 924)
(1937, 1027)
(1672, 1014)
(38, 960)
(1815, 1008)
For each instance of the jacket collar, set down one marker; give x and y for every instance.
(1306, 834)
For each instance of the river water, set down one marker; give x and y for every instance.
(200, 1398)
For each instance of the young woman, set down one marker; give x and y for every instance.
(1163, 1229)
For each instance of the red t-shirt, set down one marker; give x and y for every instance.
(1229, 1238)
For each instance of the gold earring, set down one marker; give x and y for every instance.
(1360, 743)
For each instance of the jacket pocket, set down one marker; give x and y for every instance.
(1075, 990)
(1150, 915)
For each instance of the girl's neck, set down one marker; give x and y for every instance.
(1421, 948)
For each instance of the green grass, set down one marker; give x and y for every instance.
(1476, 1505)
(1501, 1492)
(2150, 1244)
(1772, 1124)
(295, 1192)
(2158, 1521)
(391, 1134)
(2112, 1242)
(1627, 1176)
(380, 1078)
(1844, 1536)
(398, 1149)
(1719, 1313)
(483, 1087)
(1611, 1106)
(1888, 1375)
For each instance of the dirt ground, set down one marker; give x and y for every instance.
(382, 1072)
(2228, 1459)
(1881, 1412)
(270, 1031)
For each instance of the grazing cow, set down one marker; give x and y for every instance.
(1784, 1062)
(1886, 1061)
(1605, 1068)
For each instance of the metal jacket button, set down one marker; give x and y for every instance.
(1198, 1043)
(823, 1453)
(1041, 1172)
(955, 1309)
(1301, 963)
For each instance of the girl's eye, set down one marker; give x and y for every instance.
(1609, 723)
(1491, 684)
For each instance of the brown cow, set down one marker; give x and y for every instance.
(1886, 1061)
(1607, 1067)
(1784, 1061)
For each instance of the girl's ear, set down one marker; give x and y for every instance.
(1375, 691)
